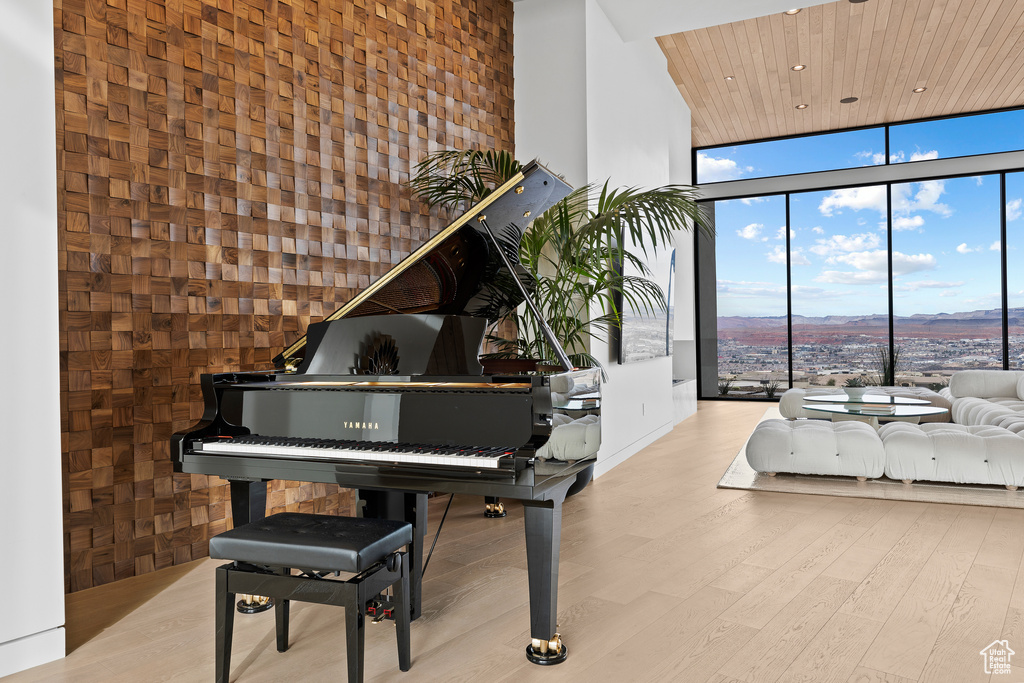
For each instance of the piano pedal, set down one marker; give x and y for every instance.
(547, 652)
(254, 604)
(380, 611)
(494, 510)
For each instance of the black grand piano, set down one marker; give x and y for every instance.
(388, 396)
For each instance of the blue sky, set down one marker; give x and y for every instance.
(945, 232)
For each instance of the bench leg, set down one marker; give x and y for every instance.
(402, 617)
(354, 641)
(225, 622)
(281, 608)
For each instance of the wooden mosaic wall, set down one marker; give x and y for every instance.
(228, 172)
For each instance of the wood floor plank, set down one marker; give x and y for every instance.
(769, 653)
(975, 620)
(833, 654)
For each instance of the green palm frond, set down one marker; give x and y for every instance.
(576, 251)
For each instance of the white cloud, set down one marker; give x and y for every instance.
(780, 234)
(741, 289)
(873, 266)
(714, 169)
(995, 246)
(796, 256)
(753, 200)
(926, 198)
(877, 158)
(818, 230)
(842, 243)
(979, 180)
(752, 232)
(907, 223)
(926, 284)
(949, 293)
(855, 198)
(836, 277)
(900, 156)
(1013, 209)
(964, 249)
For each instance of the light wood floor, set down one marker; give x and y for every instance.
(663, 577)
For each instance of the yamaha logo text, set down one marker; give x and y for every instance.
(361, 425)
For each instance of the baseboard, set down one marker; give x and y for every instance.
(29, 651)
(606, 464)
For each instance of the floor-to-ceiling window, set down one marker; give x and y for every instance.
(946, 272)
(903, 281)
(840, 284)
(1015, 269)
(750, 257)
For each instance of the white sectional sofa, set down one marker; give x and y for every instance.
(984, 443)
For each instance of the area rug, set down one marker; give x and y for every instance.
(741, 476)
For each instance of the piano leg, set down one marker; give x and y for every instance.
(493, 507)
(248, 501)
(412, 508)
(249, 504)
(543, 536)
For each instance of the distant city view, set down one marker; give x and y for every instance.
(752, 351)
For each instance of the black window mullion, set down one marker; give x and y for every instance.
(789, 298)
(1002, 267)
(888, 232)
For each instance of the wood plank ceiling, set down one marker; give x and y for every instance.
(968, 54)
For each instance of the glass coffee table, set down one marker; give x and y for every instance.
(870, 407)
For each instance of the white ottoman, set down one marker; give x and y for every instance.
(981, 454)
(850, 449)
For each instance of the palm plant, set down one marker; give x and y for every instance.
(576, 251)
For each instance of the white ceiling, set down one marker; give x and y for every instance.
(638, 19)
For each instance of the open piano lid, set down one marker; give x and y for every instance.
(459, 271)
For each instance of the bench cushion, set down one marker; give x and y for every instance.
(306, 541)
(850, 449)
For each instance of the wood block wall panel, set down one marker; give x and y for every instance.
(228, 172)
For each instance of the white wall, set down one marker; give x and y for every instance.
(32, 569)
(636, 131)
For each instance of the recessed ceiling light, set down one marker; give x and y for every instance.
(791, 12)
(801, 106)
(798, 67)
(848, 100)
(919, 89)
(730, 78)
(857, 1)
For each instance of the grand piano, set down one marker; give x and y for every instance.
(388, 396)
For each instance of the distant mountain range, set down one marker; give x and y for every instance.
(938, 321)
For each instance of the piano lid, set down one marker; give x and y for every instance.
(459, 271)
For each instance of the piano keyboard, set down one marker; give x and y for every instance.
(361, 451)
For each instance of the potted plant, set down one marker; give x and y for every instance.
(575, 251)
(854, 388)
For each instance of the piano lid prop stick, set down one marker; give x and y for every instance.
(563, 358)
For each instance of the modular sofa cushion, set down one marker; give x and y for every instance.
(1006, 413)
(985, 383)
(980, 454)
(791, 404)
(850, 449)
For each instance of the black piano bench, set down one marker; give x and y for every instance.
(264, 553)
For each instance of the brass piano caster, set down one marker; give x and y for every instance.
(547, 652)
(494, 510)
(254, 604)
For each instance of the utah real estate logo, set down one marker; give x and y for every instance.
(997, 657)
